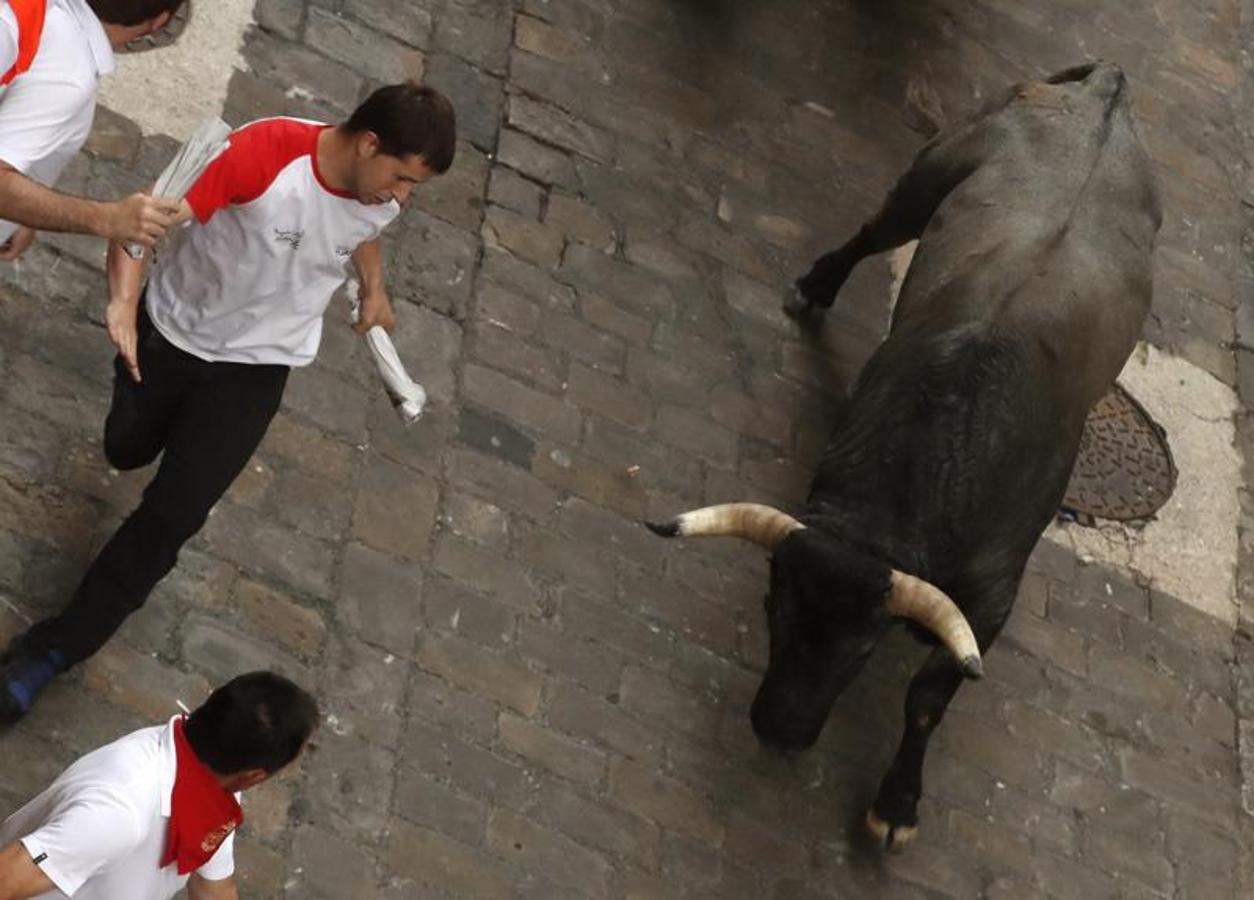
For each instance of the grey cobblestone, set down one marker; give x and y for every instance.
(526, 695)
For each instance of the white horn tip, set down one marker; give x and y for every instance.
(972, 667)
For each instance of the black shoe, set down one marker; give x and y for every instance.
(24, 673)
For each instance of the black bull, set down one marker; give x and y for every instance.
(1036, 219)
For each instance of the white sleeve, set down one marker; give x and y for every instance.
(222, 864)
(83, 836)
(43, 124)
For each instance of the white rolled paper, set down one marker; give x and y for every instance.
(407, 395)
(203, 147)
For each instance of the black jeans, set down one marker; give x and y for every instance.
(208, 418)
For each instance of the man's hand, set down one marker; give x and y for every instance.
(122, 318)
(138, 219)
(16, 245)
(376, 309)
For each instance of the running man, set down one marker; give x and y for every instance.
(204, 352)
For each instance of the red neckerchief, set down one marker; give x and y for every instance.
(202, 812)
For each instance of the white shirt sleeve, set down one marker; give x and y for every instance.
(89, 832)
(43, 124)
(222, 864)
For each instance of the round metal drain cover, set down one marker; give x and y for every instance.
(166, 36)
(1124, 470)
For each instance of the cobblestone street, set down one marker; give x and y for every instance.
(525, 693)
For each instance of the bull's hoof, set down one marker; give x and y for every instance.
(889, 837)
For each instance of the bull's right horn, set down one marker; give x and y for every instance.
(923, 602)
(763, 525)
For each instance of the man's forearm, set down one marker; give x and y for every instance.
(125, 275)
(368, 261)
(29, 203)
(20, 878)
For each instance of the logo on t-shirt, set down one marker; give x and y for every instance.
(343, 252)
(293, 237)
(215, 838)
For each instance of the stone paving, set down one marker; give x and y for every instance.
(526, 694)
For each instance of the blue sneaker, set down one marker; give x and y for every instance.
(23, 676)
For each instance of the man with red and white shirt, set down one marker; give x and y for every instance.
(157, 810)
(238, 301)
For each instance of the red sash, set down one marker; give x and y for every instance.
(30, 28)
(202, 813)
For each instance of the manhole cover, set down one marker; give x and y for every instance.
(166, 36)
(1124, 469)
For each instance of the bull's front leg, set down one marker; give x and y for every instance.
(894, 818)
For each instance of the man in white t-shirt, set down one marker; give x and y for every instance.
(235, 303)
(157, 810)
(52, 56)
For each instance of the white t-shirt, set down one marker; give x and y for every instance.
(101, 827)
(47, 111)
(248, 280)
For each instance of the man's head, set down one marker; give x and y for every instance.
(401, 135)
(126, 20)
(251, 727)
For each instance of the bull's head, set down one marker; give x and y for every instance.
(828, 606)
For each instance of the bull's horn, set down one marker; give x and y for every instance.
(763, 525)
(915, 599)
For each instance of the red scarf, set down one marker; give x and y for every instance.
(202, 812)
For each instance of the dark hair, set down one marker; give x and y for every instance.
(256, 721)
(132, 12)
(409, 118)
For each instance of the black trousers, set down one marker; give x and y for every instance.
(207, 418)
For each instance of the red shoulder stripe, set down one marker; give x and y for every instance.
(258, 152)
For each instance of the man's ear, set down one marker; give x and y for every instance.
(242, 781)
(156, 23)
(367, 145)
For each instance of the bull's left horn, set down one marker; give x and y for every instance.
(763, 525)
(920, 601)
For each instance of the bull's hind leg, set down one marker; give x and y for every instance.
(900, 220)
(937, 169)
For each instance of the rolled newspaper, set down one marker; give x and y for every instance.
(203, 147)
(407, 396)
